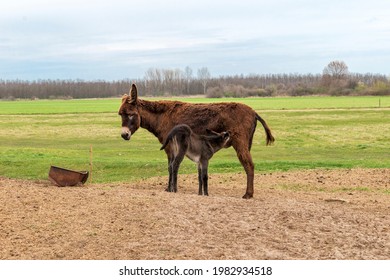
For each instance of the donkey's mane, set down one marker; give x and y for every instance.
(159, 107)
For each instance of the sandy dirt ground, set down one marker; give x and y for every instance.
(317, 214)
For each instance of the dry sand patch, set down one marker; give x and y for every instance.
(314, 214)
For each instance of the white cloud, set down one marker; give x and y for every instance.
(252, 36)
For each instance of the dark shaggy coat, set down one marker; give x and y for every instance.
(198, 148)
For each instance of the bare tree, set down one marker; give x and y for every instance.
(336, 69)
(204, 76)
(335, 75)
(154, 81)
(188, 78)
(335, 80)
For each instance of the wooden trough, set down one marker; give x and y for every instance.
(64, 177)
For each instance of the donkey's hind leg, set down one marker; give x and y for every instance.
(246, 161)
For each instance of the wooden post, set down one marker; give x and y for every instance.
(90, 164)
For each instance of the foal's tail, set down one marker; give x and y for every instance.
(180, 130)
(165, 143)
(270, 138)
(170, 136)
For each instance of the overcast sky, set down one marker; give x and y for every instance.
(116, 39)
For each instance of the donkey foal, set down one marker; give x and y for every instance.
(181, 141)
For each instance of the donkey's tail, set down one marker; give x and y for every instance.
(270, 138)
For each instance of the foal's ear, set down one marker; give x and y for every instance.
(133, 94)
(209, 131)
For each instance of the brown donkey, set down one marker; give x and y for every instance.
(159, 117)
(198, 148)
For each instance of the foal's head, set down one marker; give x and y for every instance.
(131, 119)
(218, 139)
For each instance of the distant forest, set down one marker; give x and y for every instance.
(334, 80)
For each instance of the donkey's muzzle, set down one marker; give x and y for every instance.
(126, 134)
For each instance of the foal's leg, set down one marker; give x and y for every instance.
(204, 178)
(175, 167)
(170, 160)
(170, 181)
(200, 191)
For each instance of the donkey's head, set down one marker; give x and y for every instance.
(131, 119)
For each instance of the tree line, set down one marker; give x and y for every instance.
(334, 80)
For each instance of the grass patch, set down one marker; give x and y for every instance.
(111, 105)
(37, 134)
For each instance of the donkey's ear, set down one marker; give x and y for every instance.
(133, 94)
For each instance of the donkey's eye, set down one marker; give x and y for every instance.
(131, 117)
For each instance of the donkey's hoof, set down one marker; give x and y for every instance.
(247, 196)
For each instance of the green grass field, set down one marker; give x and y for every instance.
(111, 105)
(310, 132)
